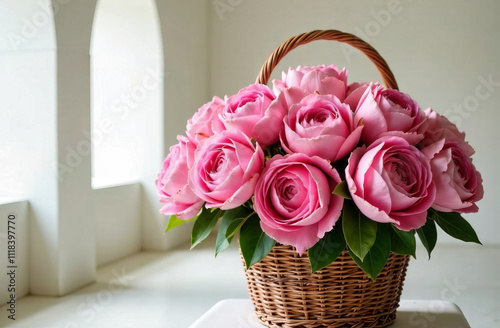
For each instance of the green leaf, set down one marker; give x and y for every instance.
(428, 235)
(359, 231)
(174, 221)
(254, 243)
(235, 226)
(342, 190)
(403, 242)
(327, 249)
(225, 235)
(455, 225)
(204, 225)
(378, 255)
(238, 219)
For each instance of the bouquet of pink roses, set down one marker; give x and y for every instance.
(321, 165)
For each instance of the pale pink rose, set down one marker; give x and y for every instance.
(226, 169)
(290, 96)
(200, 125)
(391, 181)
(172, 182)
(458, 183)
(439, 127)
(267, 131)
(314, 79)
(388, 112)
(320, 125)
(250, 111)
(294, 199)
(354, 93)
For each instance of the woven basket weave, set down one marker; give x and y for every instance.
(286, 294)
(282, 288)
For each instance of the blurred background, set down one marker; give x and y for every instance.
(94, 93)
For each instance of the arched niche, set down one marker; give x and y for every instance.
(126, 90)
(126, 66)
(28, 93)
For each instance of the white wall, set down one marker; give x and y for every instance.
(28, 88)
(184, 29)
(75, 233)
(45, 123)
(127, 115)
(126, 89)
(438, 50)
(116, 212)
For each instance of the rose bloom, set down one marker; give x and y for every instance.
(250, 112)
(320, 125)
(391, 181)
(200, 125)
(354, 93)
(388, 112)
(294, 199)
(458, 183)
(439, 127)
(226, 169)
(172, 182)
(315, 79)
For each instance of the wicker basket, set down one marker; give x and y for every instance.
(286, 294)
(283, 289)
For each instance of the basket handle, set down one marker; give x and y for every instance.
(332, 35)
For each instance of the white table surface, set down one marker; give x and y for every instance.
(239, 313)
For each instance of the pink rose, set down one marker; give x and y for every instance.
(225, 170)
(294, 199)
(321, 79)
(172, 183)
(388, 112)
(320, 125)
(354, 93)
(288, 97)
(391, 181)
(439, 127)
(200, 125)
(458, 184)
(250, 111)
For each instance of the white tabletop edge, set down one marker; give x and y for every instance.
(239, 313)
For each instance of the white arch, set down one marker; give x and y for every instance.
(127, 122)
(28, 129)
(126, 66)
(27, 68)
(63, 208)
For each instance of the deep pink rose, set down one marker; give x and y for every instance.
(172, 183)
(226, 169)
(250, 111)
(200, 125)
(458, 184)
(315, 79)
(391, 181)
(320, 125)
(294, 199)
(388, 112)
(439, 127)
